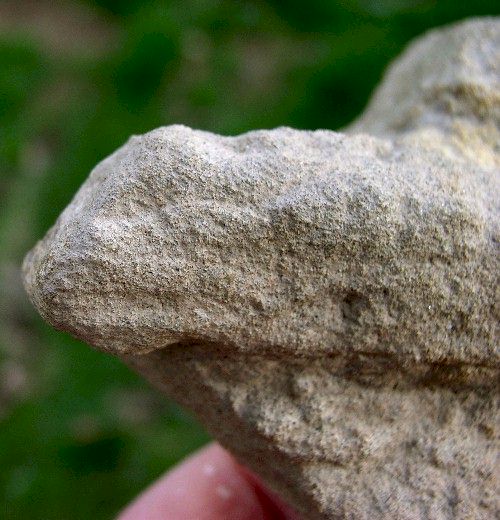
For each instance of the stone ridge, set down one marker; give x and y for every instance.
(447, 80)
(306, 243)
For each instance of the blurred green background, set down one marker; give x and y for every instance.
(80, 434)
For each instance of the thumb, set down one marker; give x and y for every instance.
(209, 485)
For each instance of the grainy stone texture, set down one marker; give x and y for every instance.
(326, 303)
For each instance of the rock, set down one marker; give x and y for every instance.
(326, 303)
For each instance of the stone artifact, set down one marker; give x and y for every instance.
(326, 303)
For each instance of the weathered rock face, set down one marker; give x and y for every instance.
(326, 303)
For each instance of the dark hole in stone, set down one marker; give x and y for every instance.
(353, 305)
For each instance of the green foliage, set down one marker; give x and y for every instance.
(80, 434)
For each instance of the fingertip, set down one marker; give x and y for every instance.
(209, 485)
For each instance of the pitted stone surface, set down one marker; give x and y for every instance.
(307, 243)
(326, 303)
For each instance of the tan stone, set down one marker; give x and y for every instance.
(326, 303)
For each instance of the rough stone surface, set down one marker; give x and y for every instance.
(326, 303)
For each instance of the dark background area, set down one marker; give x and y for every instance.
(79, 434)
